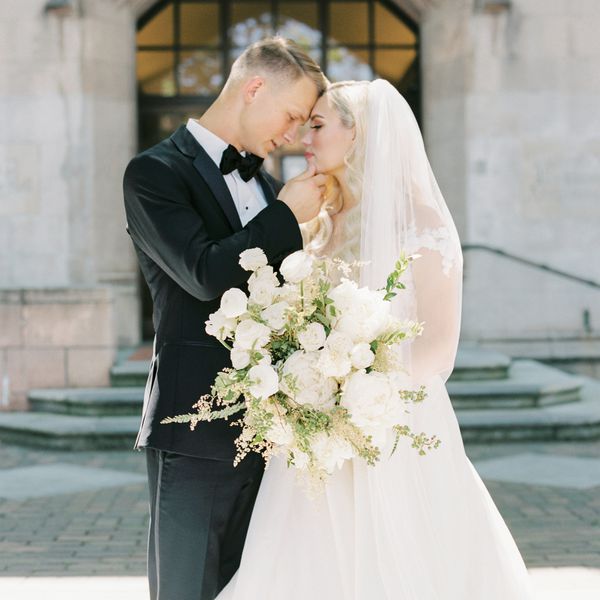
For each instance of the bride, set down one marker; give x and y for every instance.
(413, 527)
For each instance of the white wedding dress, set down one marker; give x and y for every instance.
(412, 527)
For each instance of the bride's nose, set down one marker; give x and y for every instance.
(306, 138)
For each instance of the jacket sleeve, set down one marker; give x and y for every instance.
(164, 225)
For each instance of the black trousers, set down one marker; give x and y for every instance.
(199, 514)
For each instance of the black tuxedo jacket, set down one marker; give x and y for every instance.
(188, 236)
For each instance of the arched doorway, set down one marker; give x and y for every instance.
(185, 49)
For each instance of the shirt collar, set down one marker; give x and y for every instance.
(212, 144)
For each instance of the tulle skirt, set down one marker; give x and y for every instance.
(411, 528)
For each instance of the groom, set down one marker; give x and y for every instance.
(193, 203)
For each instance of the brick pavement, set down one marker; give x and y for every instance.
(103, 532)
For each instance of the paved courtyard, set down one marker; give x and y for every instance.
(74, 523)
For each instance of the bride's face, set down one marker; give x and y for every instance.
(328, 140)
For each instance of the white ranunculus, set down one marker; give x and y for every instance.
(310, 386)
(240, 358)
(296, 266)
(362, 314)
(276, 315)
(372, 402)
(251, 334)
(234, 303)
(331, 451)
(265, 382)
(252, 259)
(312, 337)
(280, 432)
(220, 326)
(362, 356)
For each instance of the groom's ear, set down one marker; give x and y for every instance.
(252, 88)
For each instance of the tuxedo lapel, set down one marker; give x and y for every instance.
(266, 187)
(209, 171)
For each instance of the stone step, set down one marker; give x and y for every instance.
(571, 421)
(472, 364)
(476, 364)
(68, 432)
(132, 373)
(98, 402)
(529, 384)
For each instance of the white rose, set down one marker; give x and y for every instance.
(265, 382)
(276, 315)
(220, 326)
(310, 386)
(331, 451)
(372, 402)
(252, 259)
(234, 303)
(312, 337)
(240, 358)
(251, 334)
(296, 266)
(362, 356)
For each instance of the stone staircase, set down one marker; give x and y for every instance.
(496, 399)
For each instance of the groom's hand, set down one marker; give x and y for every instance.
(304, 194)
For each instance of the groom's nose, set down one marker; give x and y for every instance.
(290, 135)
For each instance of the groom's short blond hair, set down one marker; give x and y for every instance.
(280, 57)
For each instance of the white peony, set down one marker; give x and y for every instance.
(362, 314)
(251, 334)
(265, 382)
(240, 358)
(312, 337)
(334, 359)
(252, 259)
(234, 303)
(296, 266)
(310, 386)
(276, 315)
(331, 451)
(220, 326)
(362, 356)
(372, 402)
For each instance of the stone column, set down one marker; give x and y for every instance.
(68, 294)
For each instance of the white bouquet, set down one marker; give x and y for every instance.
(317, 365)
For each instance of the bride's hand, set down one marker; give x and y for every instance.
(304, 194)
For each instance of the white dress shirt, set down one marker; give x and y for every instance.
(248, 196)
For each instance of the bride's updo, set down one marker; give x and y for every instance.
(349, 99)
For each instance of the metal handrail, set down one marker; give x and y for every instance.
(531, 263)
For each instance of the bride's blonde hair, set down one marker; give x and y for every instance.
(349, 98)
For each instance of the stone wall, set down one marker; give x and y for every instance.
(513, 132)
(67, 130)
(54, 338)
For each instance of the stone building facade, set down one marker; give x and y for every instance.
(508, 97)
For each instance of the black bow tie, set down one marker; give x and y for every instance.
(246, 165)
